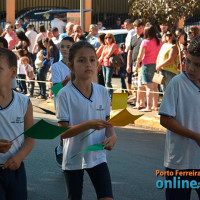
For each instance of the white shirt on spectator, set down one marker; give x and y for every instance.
(31, 35)
(59, 24)
(128, 38)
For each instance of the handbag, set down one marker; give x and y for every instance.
(158, 78)
(116, 60)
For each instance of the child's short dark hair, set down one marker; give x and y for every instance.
(70, 39)
(194, 47)
(122, 46)
(4, 42)
(76, 46)
(9, 57)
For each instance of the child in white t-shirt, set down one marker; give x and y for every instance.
(61, 74)
(16, 114)
(180, 114)
(21, 74)
(29, 74)
(85, 106)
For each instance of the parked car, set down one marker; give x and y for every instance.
(120, 34)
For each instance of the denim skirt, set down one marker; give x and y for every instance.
(147, 73)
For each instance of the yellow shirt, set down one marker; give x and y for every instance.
(164, 54)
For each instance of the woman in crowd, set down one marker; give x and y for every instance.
(167, 61)
(194, 32)
(148, 53)
(42, 34)
(109, 49)
(51, 54)
(101, 39)
(23, 41)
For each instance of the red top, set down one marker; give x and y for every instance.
(105, 52)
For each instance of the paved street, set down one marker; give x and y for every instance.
(137, 154)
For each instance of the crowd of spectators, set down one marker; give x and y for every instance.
(146, 50)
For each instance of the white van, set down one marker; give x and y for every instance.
(120, 34)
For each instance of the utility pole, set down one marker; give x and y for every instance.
(82, 14)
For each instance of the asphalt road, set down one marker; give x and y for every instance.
(133, 161)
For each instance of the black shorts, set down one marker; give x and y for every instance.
(13, 184)
(100, 177)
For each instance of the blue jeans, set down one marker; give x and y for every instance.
(123, 83)
(107, 74)
(22, 84)
(41, 76)
(168, 76)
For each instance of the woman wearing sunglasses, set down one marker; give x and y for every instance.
(194, 32)
(109, 49)
(167, 60)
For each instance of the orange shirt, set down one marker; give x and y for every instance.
(105, 52)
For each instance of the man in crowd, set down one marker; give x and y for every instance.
(128, 23)
(134, 49)
(118, 24)
(55, 38)
(10, 36)
(78, 33)
(100, 26)
(56, 22)
(69, 31)
(93, 40)
(18, 26)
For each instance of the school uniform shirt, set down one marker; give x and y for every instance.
(73, 107)
(28, 70)
(59, 71)
(12, 123)
(182, 102)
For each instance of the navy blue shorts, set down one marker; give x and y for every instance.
(13, 184)
(181, 193)
(100, 177)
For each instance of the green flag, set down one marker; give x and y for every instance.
(56, 88)
(95, 147)
(45, 110)
(43, 130)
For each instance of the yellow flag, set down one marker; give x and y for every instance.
(119, 101)
(123, 118)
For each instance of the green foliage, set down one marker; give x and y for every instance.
(163, 11)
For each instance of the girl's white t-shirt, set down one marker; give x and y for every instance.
(73, 107)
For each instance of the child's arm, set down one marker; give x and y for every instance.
(111, 138)
(97, 124)
(5, 145)
(171, 124)
(14, 162)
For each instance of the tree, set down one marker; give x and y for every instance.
(163, 11)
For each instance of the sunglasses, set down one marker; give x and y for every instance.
(169, 35)
(190, 32)
(108, 37)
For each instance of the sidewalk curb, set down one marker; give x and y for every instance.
(150, 120)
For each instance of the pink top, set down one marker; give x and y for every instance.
(11, 39)
(105, 52)
(151, 51)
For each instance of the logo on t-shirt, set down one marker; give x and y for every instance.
(18, 120)
(100, 108)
